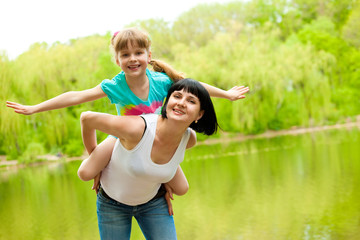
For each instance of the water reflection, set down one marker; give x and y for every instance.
(293, 187)
(289, 187)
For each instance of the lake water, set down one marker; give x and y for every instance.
(289, 187)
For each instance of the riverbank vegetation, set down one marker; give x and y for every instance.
(300, 58)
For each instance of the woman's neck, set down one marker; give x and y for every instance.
(170, 131)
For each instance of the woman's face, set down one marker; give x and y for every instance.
(183, 106)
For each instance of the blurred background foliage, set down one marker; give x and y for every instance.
(300, 58)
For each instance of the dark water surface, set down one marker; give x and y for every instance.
(288, 187)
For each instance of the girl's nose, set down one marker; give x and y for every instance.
(132, 57)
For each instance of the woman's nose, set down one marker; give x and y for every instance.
(181, 102)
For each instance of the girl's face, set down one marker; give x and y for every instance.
(183, 106)
(133, 60)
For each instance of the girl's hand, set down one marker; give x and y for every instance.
(168, 196)
(19, 108)
(237, 93)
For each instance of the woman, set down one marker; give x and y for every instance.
(147, 153)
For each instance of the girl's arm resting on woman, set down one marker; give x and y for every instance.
(63, 100)
(233, 94)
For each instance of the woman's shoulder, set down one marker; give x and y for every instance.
(191, 135)
(150, 116)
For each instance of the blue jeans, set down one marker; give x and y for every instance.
(114, 219)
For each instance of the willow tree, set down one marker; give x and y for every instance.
(350, 30)
(44, 72)
(288, 82)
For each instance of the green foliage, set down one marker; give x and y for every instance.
(283, 82)
(74, 147)
(32, 152)
(351, 29)
(161, 36)
(337, 10)
(344, 75)
(300, 58)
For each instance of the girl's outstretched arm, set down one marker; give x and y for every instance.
(233, 94)
(63, 100)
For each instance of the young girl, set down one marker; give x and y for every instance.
(135, 90)
(145, 156)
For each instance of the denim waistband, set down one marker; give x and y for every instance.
(161, 192)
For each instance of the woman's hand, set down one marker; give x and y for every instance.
(169, 197)
(96, 184)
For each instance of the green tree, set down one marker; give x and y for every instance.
(337, 10)
(200, 24)
(300, 58)
(161, 36)
(351, 30)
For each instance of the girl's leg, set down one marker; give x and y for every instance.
(114, 218)
(178, 184)
(97, 160)
(154, 220)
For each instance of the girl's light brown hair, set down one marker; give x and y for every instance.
(141, 39)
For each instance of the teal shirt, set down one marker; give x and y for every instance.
(127, 103)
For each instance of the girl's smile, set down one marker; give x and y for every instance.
(133, 59)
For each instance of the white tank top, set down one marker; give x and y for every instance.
(131, 177)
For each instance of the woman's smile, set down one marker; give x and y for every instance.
(178, 111)
(184, 106)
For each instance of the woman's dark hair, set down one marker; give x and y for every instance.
(207, 124)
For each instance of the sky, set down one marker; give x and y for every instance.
(25, 22)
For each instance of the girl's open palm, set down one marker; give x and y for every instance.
(19, 108)
(237, 93)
